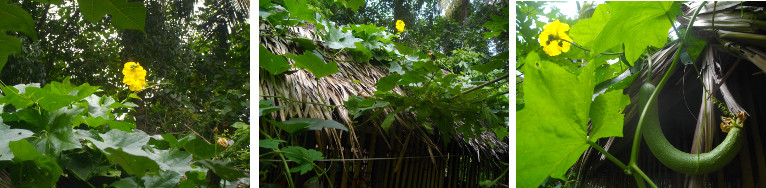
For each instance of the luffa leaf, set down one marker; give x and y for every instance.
(551, 129)
(635, 24)
(311, 62)
(337, 39)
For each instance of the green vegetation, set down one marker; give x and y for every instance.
(78, 110)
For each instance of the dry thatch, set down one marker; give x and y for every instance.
(730, 66)
(333, 90)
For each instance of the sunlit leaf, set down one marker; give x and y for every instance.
(298, 9)
(635, 24)
(275, 64)
(388, 83)
(16, 19)
(337, 39)
(312, 63)
(551, 129)
(10, 135)
(125, 15)
(606, 114)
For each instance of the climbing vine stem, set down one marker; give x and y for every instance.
(645, 109)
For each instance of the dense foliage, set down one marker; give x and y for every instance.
(568, 95)
(184, 123)
(415, 56)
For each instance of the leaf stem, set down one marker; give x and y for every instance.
(586, 50)
(609, 156)
(638, 171)
(482, 85)
(294, 101)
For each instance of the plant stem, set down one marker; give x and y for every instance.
(609, 156)
(645, 109)
(639, 181)
(481, 86)
(501, 175)
(638, 171)
(284, 161)
(602, 53)
(292, 101)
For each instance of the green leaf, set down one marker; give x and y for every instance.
(81, 164)
(501, 132)
(49, 100)
(23, 150)
(352, 4)
(311, 62)
(125, 15)
(298, 9)
(403, 49)
(221, 168)
(390, 119)
(551, 129)
(337, 39)
(164, 179)
(290, 128)
(496, 62)
(606, 114)
(201, 149)
(305, 158)
(635, 24)
(275, 64)
(361, 54)
(97, 108)
(60, 135)
(270, 143)
(316, 124)
(129, 182)
(175, 160)
(306, 44)
(128, 142)
(46, 172)
(585, 31)
(8, 45)
(16, 19)
(132, 164)
(172, 141)
(10, 135)
(388, 83)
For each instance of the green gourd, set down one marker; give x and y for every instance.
(678, 160)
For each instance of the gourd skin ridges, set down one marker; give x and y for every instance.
(678, 160)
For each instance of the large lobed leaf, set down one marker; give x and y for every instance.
(9, 136)
(125, 15)
(313, 63)
(637, 25)
(552, 127)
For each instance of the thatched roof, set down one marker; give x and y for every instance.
(334, 89)
(730, 66)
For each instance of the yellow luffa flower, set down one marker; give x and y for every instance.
(400, 25)
(553, 38)
(135, 76)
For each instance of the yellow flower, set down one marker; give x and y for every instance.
(222, 142)
(553, 38)
(400, 25)
(135, 76)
